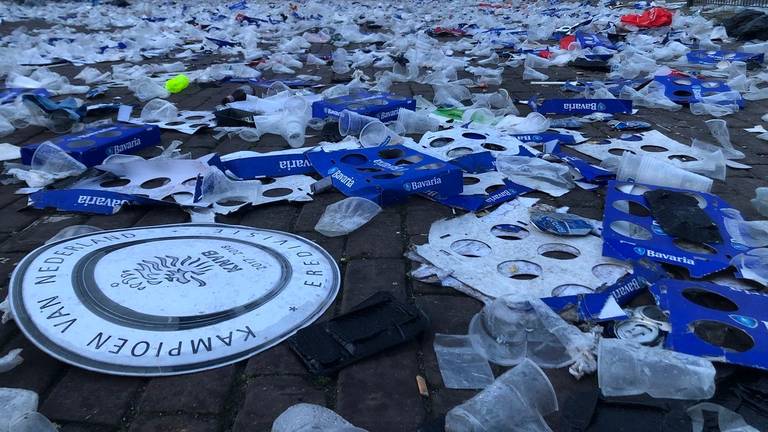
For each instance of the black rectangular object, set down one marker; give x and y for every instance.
(378, 323)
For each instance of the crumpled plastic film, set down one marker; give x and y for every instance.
(310, 417)
(727, 420)
(345, 216)
(752, 265)
(10, 360)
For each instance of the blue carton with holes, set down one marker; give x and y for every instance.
(92, 145)
(700, 314)
(380, 105)
(387, 175)
(634, 234)
(712, 57)
(9, 95)
(688, 90)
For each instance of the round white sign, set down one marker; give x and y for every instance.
(170, 299)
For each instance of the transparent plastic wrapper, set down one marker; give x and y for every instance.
(460, 365)
(345, 216)
(49, 163)
(14, 403)
(626, 368)
(515, 402)
(717, 105)
(711, 161)
(72, 231)
(10, 360)
(531, 74)
(159, 110)
(351, 123)
(753, 265)
(760, 201)
(727, 420)
(749, 233)
(649, 170)
(535, 173)
(145, 89)
(650, 96)
(417, 122)
(719, 130)
(376, 134)
(305, 417)
(532, 123)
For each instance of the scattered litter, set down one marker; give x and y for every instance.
(516, 401)
(309, 417)
(627, 368)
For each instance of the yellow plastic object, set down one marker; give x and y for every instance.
(177, 83)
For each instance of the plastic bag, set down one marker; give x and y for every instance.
(345, 216)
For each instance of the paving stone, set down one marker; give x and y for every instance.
(125, 218)
(15, 217)
(278, 360)
(40, 231)
(333, 245)
(364, 278)
(76, 427)
(38, 370)
(90, 397)
(382, 237)
(419, 221)
(202, 392)
(163, 216)
(174, 423)
(384, 384)
(267, 397)
(278, 216)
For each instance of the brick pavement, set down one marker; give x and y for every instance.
(378, 394)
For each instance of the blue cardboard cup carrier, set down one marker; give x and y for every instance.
(92, 145)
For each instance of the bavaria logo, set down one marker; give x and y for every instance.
(640, 250)
(746, 321)
(407, 186)
(333, 170)
(601, 106)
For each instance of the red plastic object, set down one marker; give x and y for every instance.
(566, 41)
(653, 17)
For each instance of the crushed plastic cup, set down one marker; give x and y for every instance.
(351, 123)
(515, 402)
(760, 201)
(416, 122)
(376, 134)
(345, 216)
(626, 368)
(482, 116)
(650, 170)
(145, 89)
(305, 417)
(507, 331)
(159, 110)
(290, 121)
